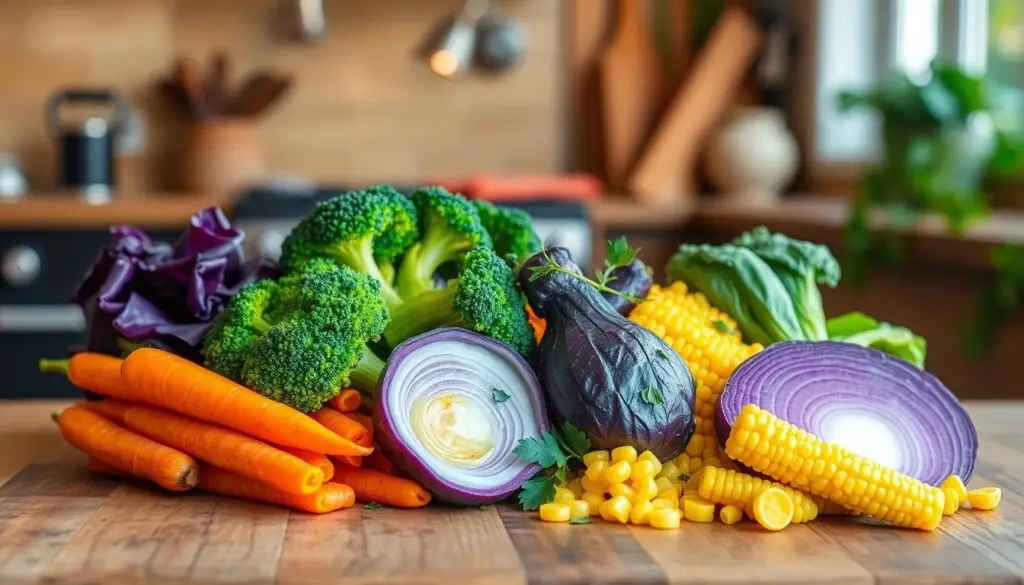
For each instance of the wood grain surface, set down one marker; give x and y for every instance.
(60, 524)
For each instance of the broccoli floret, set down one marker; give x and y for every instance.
(511, 230)
(483, 298)
(238, 326)
(363, 230)
(450, 227)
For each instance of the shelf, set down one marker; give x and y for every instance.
(620, 212)
(69, 211)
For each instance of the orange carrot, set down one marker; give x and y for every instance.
(354, 461)
(348, 401)
(95, 372)
(344, 425)
(315, 459)
(377, 460)
(123, 449)
(538, 325)
(163, 379)
(109, 408)
(371, 485)
(365, 420)
(226, 448)
(330, 496)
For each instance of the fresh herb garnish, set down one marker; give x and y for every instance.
(661, 353)
(579, 520)
(652, 395)
(554, 449)
(684, 477)
(552, 267)
(499, 395)
(723, 327)
(485, 507)
(373, 506)
(617, 255)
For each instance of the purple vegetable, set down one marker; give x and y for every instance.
(451, 407)
(873, 404)
(633, 279)
(163, 295)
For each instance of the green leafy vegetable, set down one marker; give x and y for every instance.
(580, 520)
(545, 451)
(860, 329)
(684, 477)
(554, 449)
(723, 327)
(536, 491)
(485, 507)
(499, 395)
(551, 267)
(573, 440)
(661, 353)
(617, 255)
(652, 396)
(373, 506)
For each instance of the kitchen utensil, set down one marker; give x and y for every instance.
(86, 147)
(705, 95)
(587, 24)
(12, 182)
(303, 20)
(500, 42)
(451, 45)
(631, 81)
(190, 80)
(258, 93)
(223, 155)
(216, 83)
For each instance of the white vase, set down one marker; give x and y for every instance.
(753, 155)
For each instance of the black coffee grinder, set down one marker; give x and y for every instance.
(86, 144)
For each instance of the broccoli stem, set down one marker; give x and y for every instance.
(367, 371)
(53, 366)
(416, 274)
(429, 310)
(358, 255)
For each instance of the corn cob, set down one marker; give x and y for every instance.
(801, 460)
(708, 342)
(726, 486)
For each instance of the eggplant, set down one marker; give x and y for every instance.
(615, 380)
(634, 279)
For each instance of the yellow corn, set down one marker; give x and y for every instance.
(641, 512)
(730, 514)
(576, 487)
(595, 471)
(593, 487)
(590, 458)
(956, 484)
(802, 461)
(707, 341)
(564, 495)
(621, 489)
(624, 453)
(642, 470)
(645, 490)
(669, 494)
(663, 484)
(579, 509)
(773, 509)
(616, 509)
(649, 456)
(725, 486)
(952, 501)
(593, 500)
(665, 518)
(617, 472)
(665, 503)
(985, 498)
(697, 509)
(555, 512)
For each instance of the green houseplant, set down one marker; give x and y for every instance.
(941, 144)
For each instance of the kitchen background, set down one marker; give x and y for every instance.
(666, 121)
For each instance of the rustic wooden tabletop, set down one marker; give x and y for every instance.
(59, 524)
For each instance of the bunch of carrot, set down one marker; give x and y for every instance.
(170, 421)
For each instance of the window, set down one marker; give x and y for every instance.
(857, 42)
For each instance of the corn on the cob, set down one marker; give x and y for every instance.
(726, 486)
(801, 460)
(707, 341)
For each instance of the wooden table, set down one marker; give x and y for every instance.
(59, 524)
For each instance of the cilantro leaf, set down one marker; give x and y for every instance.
(373, 506)
(652, 396)
(560, 475)
(723, 327)
(536, 491)
(544, 451)
(580, 520)
(619, 253)
(661, 353)
(573, 439)
(684, 477)
(499, 395)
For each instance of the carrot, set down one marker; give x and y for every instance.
(348, 401)
(123, 449)
(365, 420)
(344, 425)
(163, 379)
(330, 496)
(109, 408)
(226, 448)
(354, 461)
(377, 460)
(95, 372)
(371, 485)
(315, 459)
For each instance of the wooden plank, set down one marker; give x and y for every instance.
(586, 28)
(566, 553)
(34, 531)
(745, 553)
(67, 476)
(434, 545)
(141, 535)
(20, 450)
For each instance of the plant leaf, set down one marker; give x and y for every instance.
(619, 253)
(536, 491)
(560, 475)
(652, 396)
(499, 395)
(661, 353)
(580, 520)
(373, 506)
(544, 451)
(723, 327)
(574, 440)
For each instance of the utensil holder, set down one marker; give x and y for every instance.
(223, 155)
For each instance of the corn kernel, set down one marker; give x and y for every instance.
(649, 456)
(554, 512)
(616, 509)
(669, 494)
(773, 509)
(617, 472)
(985, 498)
(621, 489)
(590, 458)
(563, 495)
(696, 446)
(663, 484)
(669, 471)
(956, 484)
(697, 509)
(641, 512)
(642, 470)
(645, 490)
(665, 518)
(579, 509)
(576, 487)
(594, 501)
(730, 514)
(665, 503)
(624, 453)
(952, 501)
(678, 486)
(595, 472)
(593, 487)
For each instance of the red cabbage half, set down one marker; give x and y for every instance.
(451, 407)
(161, 294)
(869, 402)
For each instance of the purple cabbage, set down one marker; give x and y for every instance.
(144, 292)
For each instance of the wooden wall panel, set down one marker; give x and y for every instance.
(362, 109)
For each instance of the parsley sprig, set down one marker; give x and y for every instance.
(553, 451)
(617, 255)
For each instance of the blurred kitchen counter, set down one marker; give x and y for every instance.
(71, 212)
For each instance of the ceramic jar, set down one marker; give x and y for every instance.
(753, 155)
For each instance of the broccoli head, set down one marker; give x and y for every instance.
(450, 227)
(511, 230)
(365, 230)
(238, 326)
(483, 297)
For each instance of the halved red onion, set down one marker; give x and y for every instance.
(873, 404)
(451, 407)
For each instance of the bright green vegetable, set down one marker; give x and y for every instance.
(866, 331)
(483, 298)
(801, 266)
(739, 282)
(511, 231)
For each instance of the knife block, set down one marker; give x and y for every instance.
(223, 155)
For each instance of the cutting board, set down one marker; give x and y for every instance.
(632, 89)
(61, 525)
